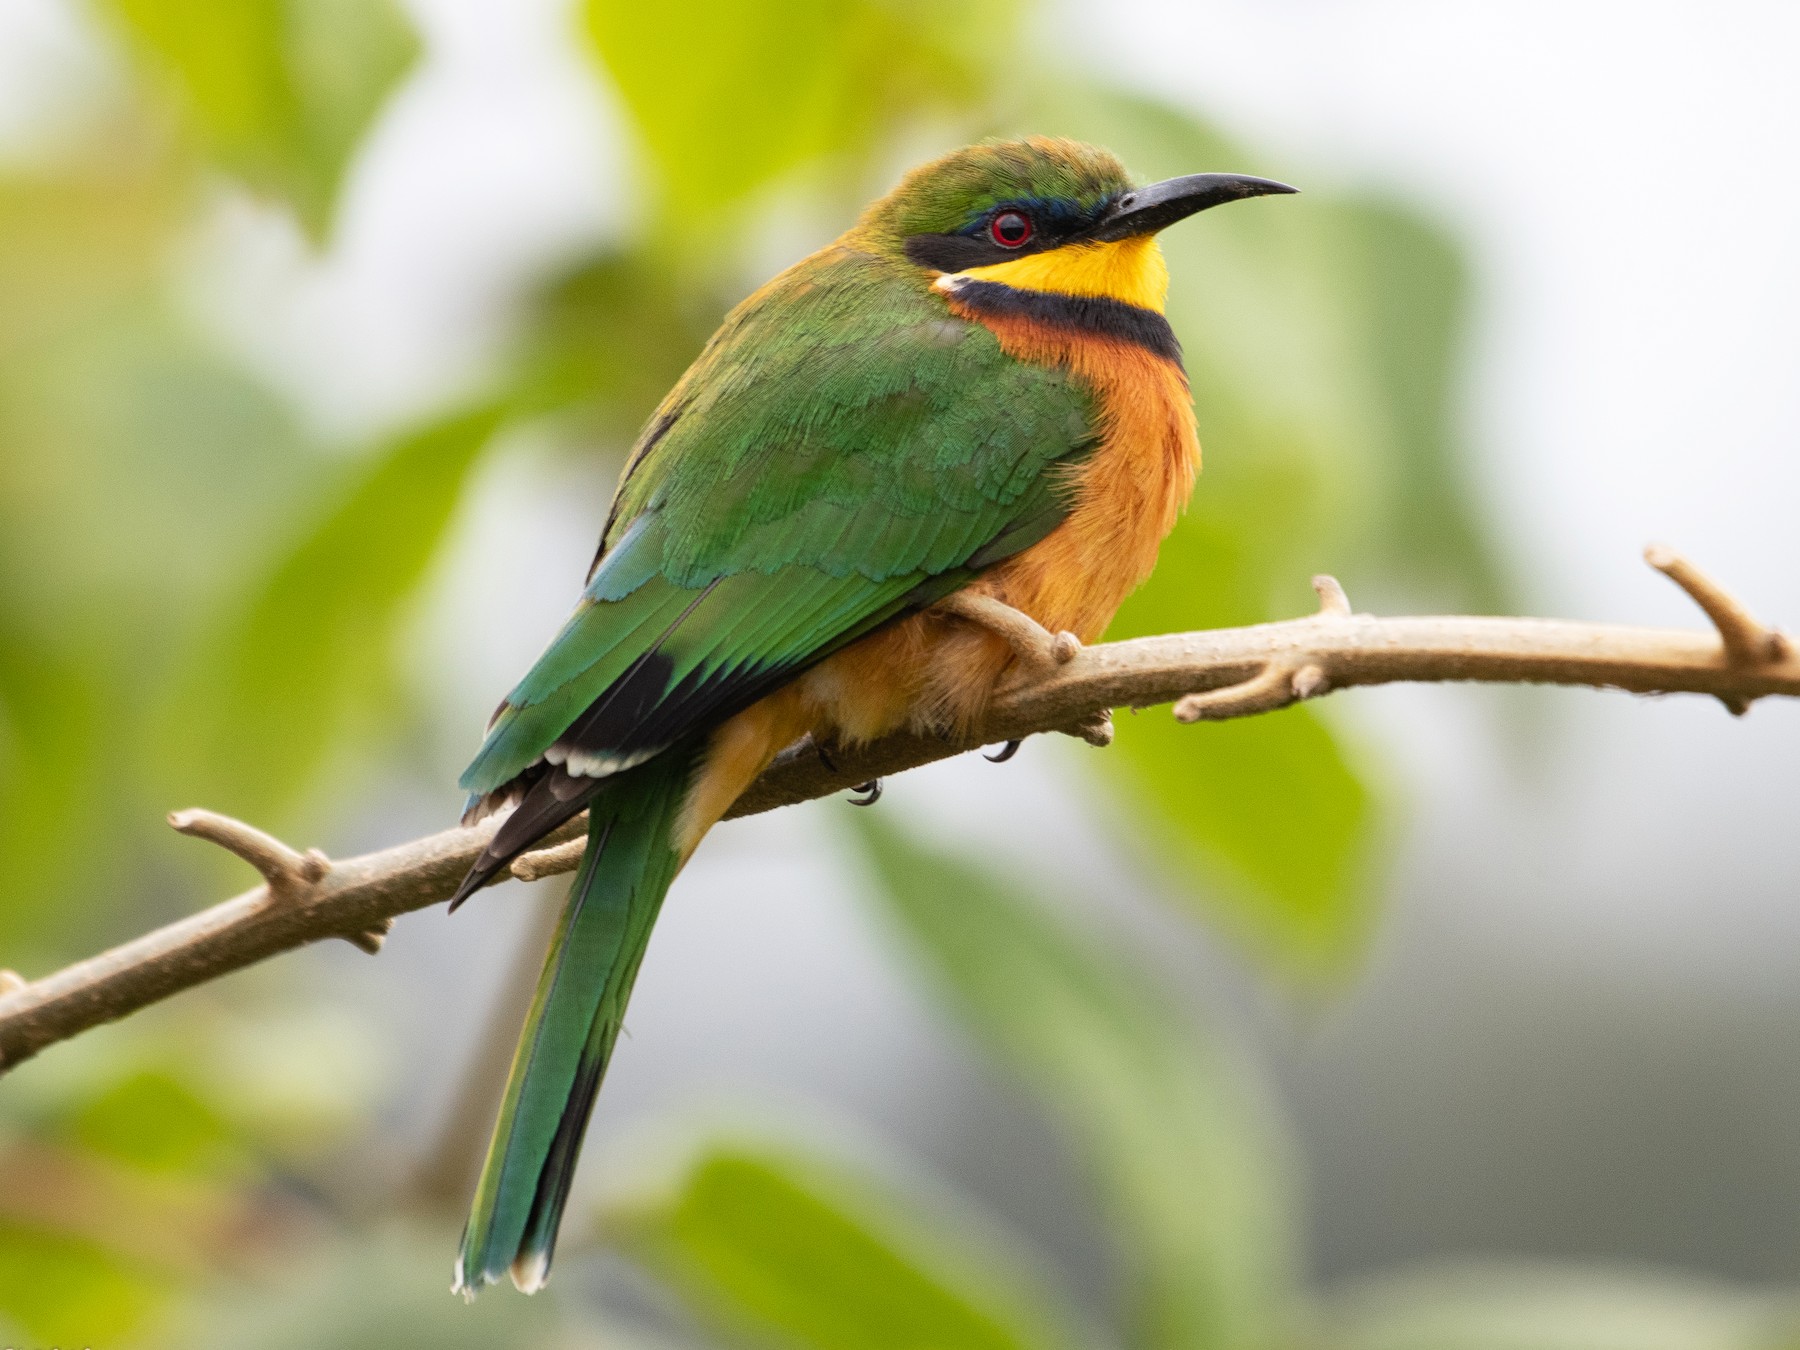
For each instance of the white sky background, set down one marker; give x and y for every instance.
(1623, 176)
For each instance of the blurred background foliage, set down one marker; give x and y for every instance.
(204, 599)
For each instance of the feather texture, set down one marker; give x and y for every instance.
(851, 446)
(844, 451)
(574, 1020)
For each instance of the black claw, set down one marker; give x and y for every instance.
(871, 791)
(1007, 751)
(824, 756)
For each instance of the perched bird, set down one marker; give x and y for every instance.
(973, 388)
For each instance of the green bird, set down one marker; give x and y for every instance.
(974, 388)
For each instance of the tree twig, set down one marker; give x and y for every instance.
(1230, 672)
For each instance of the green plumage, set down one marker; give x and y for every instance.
(570, 1028)
(842, 452)
(841, 448)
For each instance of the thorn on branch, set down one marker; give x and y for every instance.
(1746, 640)
(287, 873)
(1333, 603)
(370, 939)
(1310, 681)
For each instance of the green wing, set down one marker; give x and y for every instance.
(844, 451)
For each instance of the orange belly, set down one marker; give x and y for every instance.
(936, 672)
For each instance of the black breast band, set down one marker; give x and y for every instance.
(1096, 314)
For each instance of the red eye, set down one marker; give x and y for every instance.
(1010, 229)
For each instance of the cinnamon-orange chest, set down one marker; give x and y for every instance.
(1127, 494)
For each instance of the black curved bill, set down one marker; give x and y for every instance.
(1160, 205)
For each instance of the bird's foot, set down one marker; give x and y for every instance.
(1038, 655)
(1037, 652)
(871, 793)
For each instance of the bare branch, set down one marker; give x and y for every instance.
(1270, 688)
(1231, 672)
(1747, 642)
(1278, 683)
(285, 872)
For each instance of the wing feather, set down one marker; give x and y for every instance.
(843, 452)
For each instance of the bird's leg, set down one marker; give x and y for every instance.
(1035, 648)
(1037, 652)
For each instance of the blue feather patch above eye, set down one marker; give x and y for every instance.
(1052, 215)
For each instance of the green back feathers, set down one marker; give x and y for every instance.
(842, 451)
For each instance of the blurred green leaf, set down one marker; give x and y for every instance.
(311, 645)
(153, 1120)
(1219, 800)
(138, 464)
(1332, 325)
(52, 749)
(728, 97)
(1187, 1164)
(62, 1291)
(1264, 819)
(1405, 306)
(611, 337)
(1265, 823)
(808, 1254)
(1552, 1308)
(279, 91)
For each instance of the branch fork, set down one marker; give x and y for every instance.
(1747, 643)
(1290, 678)
(290, 877)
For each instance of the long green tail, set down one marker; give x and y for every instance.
(574, 1019)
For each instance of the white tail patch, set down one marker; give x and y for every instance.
(531, 1273)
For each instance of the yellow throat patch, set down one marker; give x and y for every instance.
(1130, 270)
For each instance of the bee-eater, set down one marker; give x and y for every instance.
(974, 387)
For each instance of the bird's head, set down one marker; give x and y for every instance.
(1043, 215)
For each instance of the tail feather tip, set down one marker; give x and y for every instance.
(474, 881)
(459, 1283)
(531, 1271)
